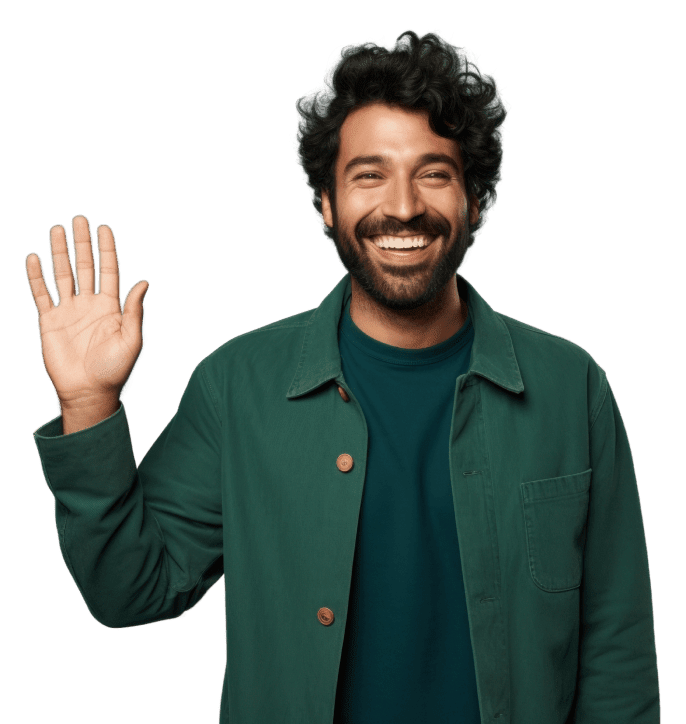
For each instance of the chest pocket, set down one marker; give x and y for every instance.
(555, 513)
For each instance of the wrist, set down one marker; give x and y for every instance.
(87, 400)
(78, 414)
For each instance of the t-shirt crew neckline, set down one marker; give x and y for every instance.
(399, 355)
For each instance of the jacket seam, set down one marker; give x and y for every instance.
(212, 539)
(602, 396)
(270, 327)
(206, 378)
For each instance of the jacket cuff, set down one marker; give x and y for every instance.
(99, 457)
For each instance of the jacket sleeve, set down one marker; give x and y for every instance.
(142, 544)
(618, 680)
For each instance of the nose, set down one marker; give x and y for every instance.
(402, 200)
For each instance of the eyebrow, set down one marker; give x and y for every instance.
(384, 161)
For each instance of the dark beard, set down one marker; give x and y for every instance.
(355, 258)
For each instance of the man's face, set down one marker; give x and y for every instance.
(401, 193)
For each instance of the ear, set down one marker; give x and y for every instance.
(474, 210)
(326, 209)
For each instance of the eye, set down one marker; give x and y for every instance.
(436, 174)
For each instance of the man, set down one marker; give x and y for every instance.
(424, 510)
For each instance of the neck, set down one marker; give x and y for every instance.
(428, 325)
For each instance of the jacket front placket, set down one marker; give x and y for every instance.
(474, 502)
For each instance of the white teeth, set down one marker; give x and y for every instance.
(396, 242)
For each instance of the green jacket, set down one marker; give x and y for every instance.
(247, 481)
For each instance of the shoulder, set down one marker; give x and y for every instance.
(546, 357)
(266, 348)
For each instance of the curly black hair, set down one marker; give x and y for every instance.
(427, 75)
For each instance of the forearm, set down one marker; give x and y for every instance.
(110, 540)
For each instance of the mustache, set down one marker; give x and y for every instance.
(389, 227)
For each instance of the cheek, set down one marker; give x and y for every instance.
(353, 209)
(456, 208)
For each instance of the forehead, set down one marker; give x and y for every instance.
(399, 133)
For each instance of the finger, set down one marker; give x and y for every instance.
(60, 262)
(109, 267)
(85, 271)
(40, 292)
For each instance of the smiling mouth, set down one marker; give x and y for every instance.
(388, 242)
(407, 256)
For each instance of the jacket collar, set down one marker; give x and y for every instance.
(493, 355)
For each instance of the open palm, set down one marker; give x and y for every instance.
(89, 346)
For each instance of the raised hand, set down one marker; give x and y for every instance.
(89, 346)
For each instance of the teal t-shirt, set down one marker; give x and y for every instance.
(407, 654)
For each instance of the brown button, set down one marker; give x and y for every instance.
(325, 615)
(343, 394)
(344, 462)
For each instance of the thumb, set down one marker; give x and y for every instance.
(132, 319)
